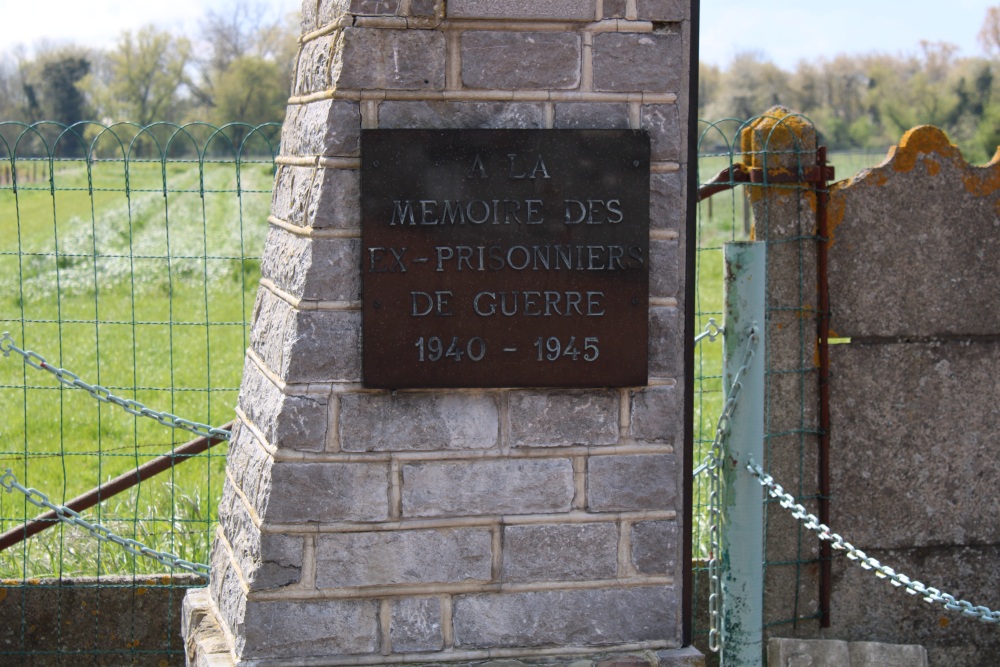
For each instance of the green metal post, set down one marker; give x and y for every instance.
(742, 497)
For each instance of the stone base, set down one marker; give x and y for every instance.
(206, 646)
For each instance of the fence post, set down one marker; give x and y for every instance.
(742, 504)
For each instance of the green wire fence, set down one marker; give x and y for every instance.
(129, 256)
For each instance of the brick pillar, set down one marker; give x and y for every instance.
(364, 526)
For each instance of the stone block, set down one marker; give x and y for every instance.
(591, 116)
(667, 204)
(655, 545)
(329, 127)
(665, 133)
(461, 115)
(335, 200)
(308, 16)
(595, 616)
(563, 418)
(631, 483)
(374, 7)
(418, 421)
(384, 558)
(666, 346)
(425, 8)
(416, 625)
(319, 492)
(312, 74)
(638, 62)
(513, 60)
(292, 187)
(658, 415)
(664, 268)
(661, 10)
(510, 486)
(561, 552)
(287, 629)
(266, 560)
(818, 652)
(331, 10)
(559, 10)
(614, 9)
(315, 269)
(390, 59)
(875, 654)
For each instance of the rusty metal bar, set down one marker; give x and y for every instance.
(113, 487)
(823, 349)
(739, 174)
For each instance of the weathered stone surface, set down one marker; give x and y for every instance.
(897, 396)
(638, 62)
(872, 654)
(266, 560)
(655, 547)
(657, 415)
(557, 419)
(566, 10)
(315, 492)
(375, 7)
(390, 59)
(511, 60)
(205, 644)
(416, 625)
(511, 486)
(345, 560)
(250, 467)
(327, 127)
(666, 205)
(335, 199)
(664, 268)
(287, 629)
(418, 421)
(666, 346)
(628, 483)
(312, 74)
(308, 16)
(614, 9)
(591, 115)
(313, 269)
(665, 134)
(438, 114)
(661, 10)
(426, 7)
(597, 616)
(565, 552)
(822, 653)
(292, 186)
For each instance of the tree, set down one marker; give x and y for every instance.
(62, 101)
(989, 34)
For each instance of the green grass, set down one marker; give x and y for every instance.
(147, 295)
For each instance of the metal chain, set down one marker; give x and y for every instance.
(711, 332)
(9, 482)
(929, 594)
(104, 395)
(713, 464)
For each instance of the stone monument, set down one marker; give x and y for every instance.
(470, 481)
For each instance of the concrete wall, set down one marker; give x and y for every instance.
(373, 527)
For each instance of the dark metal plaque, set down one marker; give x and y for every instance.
(505, 258)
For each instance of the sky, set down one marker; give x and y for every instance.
(784, 32)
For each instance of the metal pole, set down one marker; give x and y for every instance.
(743, 501)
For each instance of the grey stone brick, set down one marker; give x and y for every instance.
(315, 492)
(288, 629)
(271, 316)
(510, 486)
(597, 616)
(330, 127)
(667, 204)
(666, 347)
(510, 60)
(563, 552)
(251, 468)
(565, 10)
(309, 14)
(346, 560)
(312, 74)
(391, 59)
(323, 346)
(655, 547)
(375, 7)
(416, 625)
(638, 62)
(266, 560)
(663, 123)
(294, 422)
(336, 199)
(664, 272)
(313, 269)
(418, 421)
(658, 415)
(487, 115)
(591, 115)
(426, 7)
(631, 483)
(614, 9)
(231, 602)
(331, 10)
(292, 186)
(661, 10)
(554, 419)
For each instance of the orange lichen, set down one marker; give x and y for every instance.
(919, 142)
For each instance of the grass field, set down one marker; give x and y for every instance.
(147, 294)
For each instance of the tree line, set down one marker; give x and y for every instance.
(869, 100)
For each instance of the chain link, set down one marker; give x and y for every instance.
(9, 482)
(711, 332)
(930, 595)
(104, 395)
(713, 463)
